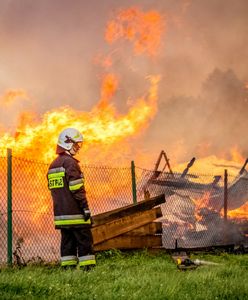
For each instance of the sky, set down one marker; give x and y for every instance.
(48, 49)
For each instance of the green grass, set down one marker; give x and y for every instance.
(136, 275)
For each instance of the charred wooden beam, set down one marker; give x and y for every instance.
(186, 170)
(182, 183)
(216, 180)
(167, 162)
(243, 168)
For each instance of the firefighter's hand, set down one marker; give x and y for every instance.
(87, 214)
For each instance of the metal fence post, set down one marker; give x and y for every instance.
(225, 194)
(133, 182)
(9, 206)
(225, 233)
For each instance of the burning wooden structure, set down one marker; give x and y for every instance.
(130, 227)
(198, 211)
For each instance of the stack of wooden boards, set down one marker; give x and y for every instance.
(129, 227)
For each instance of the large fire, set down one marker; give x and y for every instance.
(103, 126)
(106, 131)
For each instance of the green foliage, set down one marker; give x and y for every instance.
(136, 275)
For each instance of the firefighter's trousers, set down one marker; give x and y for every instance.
(77, 247)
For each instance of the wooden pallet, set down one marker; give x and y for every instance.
(129, 227)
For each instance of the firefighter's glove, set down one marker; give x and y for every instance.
(86, 214)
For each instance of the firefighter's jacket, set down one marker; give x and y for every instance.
(66, 183)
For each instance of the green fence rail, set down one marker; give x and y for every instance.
(196, 212)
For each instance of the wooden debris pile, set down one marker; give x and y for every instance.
(130, 227)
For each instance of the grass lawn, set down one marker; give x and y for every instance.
(136, 275)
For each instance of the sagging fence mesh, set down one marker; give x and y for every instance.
(194, 214)
(196, 210)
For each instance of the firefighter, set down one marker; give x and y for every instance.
(71, 211)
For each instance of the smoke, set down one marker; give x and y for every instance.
(213, 122)
(48, 49)
(203, 97)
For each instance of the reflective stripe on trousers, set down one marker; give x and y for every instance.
(70, 220)
(87, 260)
(69, 260)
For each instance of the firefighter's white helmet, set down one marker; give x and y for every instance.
(68, 137)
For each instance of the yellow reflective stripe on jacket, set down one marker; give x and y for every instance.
(71, 222)
(76, 184)
(59, 174)
(75, 187)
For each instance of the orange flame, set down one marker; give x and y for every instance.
(239, 213)
(236, 155)
(109, 87)
(142, 29)
(201, 203)
(103, 125)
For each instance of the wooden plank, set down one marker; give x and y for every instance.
(127, 210)
(148, 229)
(123, 225)
(130, 242)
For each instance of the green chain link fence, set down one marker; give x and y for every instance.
(193, 215)
(27, 229)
